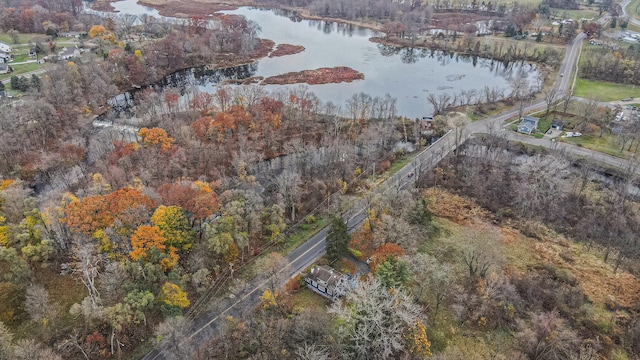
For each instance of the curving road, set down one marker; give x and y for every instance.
(209, 324)
(632, 19)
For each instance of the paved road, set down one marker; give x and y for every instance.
(632, 20)
(208, 324)
(27, 74)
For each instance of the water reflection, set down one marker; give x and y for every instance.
(406, 73)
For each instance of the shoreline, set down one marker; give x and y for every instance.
(176, 9)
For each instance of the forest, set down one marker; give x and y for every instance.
(620, 65)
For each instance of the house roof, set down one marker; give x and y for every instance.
(557, 122)
(4, 66)
(325, 274)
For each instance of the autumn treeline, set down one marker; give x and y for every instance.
(603, 63)
(42, 16)
(158, 219)
(45, 133)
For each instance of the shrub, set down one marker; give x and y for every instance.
(293, 284)
(355, 253)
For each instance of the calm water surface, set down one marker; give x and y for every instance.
(407, 74)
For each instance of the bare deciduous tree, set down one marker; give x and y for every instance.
(373, 320)
(37, 302)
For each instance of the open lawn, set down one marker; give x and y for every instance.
(22, 38)
(606, 144)
(544, 123)
(583, 13)
(603, 91)
(21, 69)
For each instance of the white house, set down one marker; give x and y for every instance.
(5, 57)
(66, 54)
(4, 47)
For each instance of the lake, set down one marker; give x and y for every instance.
(407, 74)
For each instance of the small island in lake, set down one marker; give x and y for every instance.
(333, 75)
(286, 49)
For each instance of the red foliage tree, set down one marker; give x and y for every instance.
(129, 206)
(383, 252)
(199, 202)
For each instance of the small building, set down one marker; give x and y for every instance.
(4, 68)
(66, 54)
(327, 281)
(528, 125)
(557, 125)
(4, 47)
(426, 125)
(73, 34)
(5, 57)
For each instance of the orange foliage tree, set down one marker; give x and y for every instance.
(198, 201)
(156, 137)
(147, 238)
(383, 252)
(97, 30)
(127, 205)
(208, 128)
(270, 111)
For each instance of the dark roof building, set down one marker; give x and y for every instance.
(327, 282)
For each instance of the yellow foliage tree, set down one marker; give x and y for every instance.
(97, 30)
(4, 232)
(173, 295)
(156, 136)
(418, 343)
(268, 299)
(175, 225)
(6, 183)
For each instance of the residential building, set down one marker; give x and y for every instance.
(4, 47)
(66, 54)
(327, 282)
(528, 125)
(5, 57)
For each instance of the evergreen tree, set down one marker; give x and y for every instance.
(337, 240)
(539, 36)
(393, 273)
(420, 214)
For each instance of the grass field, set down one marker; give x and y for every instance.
(21, 69)
(606, 144)
(22, 38)
(544, 123)
(604, 91)
(575, 14)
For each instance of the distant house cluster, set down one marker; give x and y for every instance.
(327, 282)
(73, 34)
